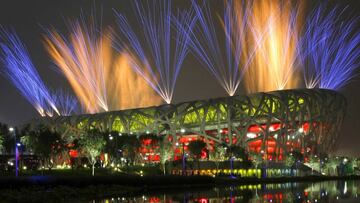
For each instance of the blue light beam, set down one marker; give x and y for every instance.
(65, 102)
(19, 69)
(227, 67)
(157, 52)
(330, 48)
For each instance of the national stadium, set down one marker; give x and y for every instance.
(272, 123)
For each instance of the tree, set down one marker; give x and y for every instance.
(237, 152)
(166, 153)
(256, 159)
(129, 146)
(348, 166)
(5, 137)
(1, 142)
(333, 164)
(355, 166)
(323, 161)
(289, 162)
(299, 157)
(92, 144)
(195, 148)
(314, 163)
(111, 145)
(8, 139)
(218, 154)
(44, 143)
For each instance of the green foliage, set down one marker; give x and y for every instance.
(356, 163)
(111, 139)
(26, 140)
(332, 164)
(237, 152)
(166, 152)
(297, 155)
(290, 161)
(92, 144)
(43, 142)
(2, 138)
(218, 154)
(8, 141)
(256, 159)
(349, 168)
(313, 159)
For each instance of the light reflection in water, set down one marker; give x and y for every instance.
(332, 191)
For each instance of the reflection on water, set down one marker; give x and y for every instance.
(331, 191)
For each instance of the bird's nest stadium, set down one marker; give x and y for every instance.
(272, 123)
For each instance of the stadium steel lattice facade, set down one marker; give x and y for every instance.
(272, 123)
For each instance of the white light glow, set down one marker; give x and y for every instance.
(251, 135)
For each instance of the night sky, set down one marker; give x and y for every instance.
(194, 82)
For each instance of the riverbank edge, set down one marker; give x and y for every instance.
(154, 181)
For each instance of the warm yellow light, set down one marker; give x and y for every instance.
(128, 88)
(272, 42)
(101, 79)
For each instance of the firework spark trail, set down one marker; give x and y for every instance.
(81, 59)
(65, 102)
(130, 86)
(19, 69)
(155, 60)
(205, 42)
(93, 69)
(330, 48)
(274, 30)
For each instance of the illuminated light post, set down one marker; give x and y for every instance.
(182, 130)
(183, 159)
(232, 167)
(12, 130)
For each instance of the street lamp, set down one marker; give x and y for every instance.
(12, 130)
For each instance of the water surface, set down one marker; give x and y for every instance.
(330, 191)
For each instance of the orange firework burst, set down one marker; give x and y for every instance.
(101, 80)
(130, 89)
(274, 32)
